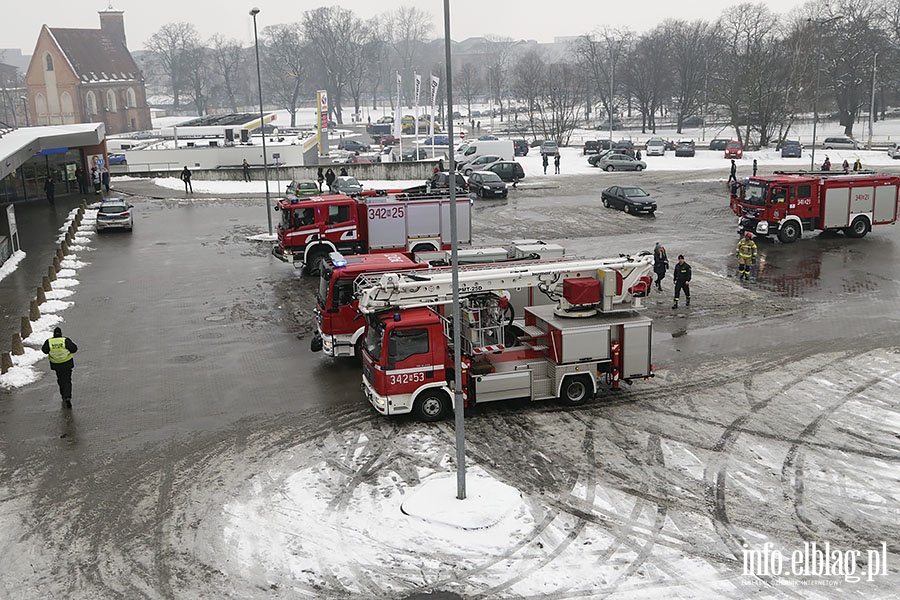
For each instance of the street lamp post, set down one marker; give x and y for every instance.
(872, 106)
(24, 100)
(821, 24)
(262, 125)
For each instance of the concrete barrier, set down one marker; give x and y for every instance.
(25, 328)
(45, 283)
(41, 297)
(51, 274)
(56, 264)
(17, 348)
(5, 363)
(34, 313)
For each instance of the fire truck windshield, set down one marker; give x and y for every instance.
(755, 194)
(324, 283)
(286, 215)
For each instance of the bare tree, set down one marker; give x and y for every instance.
(563, 92)
(331, 30)
(647, 76)
(600, 56)
(171, 46)
(198, 77)
(406, 30)
(529, 73)
(467, 84)
(284, 56)
(229, 57)
(688, 43)
(364, 52)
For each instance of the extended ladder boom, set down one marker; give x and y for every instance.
(621, 279)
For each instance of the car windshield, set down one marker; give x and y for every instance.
(349, 181)
(112, 209)
(634, 192)
(755, 194)
(791, 143)
(308, 185)
(374, 336)
(734, 144)
(490, 177)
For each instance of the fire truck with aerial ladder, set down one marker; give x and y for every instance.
(340, 327)
(787, 203)
(375, 221)
(591, 336)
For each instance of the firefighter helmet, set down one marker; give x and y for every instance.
(749, 235)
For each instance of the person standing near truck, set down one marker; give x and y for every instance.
(746, 254)
(682, 276)
(660, 264)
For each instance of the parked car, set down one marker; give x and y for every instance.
(623, 146)
(115, 213)
(487, 184)
(656, 147)
(387, 140)
(347, 185)
(693, 121)
(595, 158)
(353, 146)
(441, 181)
(841, 142)
(303, 188)
(718, 144)
(590, 147)
(684, 149)
(894, 150)
(616, 124)
(507, 170)
(520, 147)
(488, 137)
(620, 162)
(549, 147)
(116, 159)
(734, 149)
(438, 140)
(413, 154)
(480, 163)
(791, 149)
(536, 143)
(630, 199)
(383, 120)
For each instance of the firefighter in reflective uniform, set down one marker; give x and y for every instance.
(60, 349)
(746, 253)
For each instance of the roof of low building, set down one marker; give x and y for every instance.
(94, 56)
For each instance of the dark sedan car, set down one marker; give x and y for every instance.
(718, 144)
(353, 146)
(486, 184)
(684, 150)
(508, 170)
(631, 199)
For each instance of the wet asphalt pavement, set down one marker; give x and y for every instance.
(194, 365)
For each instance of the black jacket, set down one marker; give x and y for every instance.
(682, 272)
(660, 260)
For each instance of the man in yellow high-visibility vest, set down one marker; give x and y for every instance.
(60, 349)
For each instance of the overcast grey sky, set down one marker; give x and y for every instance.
(541, 20)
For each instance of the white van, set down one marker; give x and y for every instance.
(472, 149)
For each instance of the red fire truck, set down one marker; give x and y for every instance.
(340, 328)
(592, 336)
(788, 203)
(311, 228)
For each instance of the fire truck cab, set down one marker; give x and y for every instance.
(788, 203)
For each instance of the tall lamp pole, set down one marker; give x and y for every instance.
(872, 106)
(253, 12)
(821, 24)
(24, 100)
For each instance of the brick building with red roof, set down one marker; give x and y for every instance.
(87, 76)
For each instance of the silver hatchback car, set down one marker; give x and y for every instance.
(620, 162)
(115, 213)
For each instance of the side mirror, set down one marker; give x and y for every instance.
(277, 208)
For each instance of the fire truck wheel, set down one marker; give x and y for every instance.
(431, 406)
(314, 267)
(858, 228)
(576, 390)
(790, 232)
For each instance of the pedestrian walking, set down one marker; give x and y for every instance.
(732, 176)
(754, 167)
(660, 264)
(95, 180)
(546, 161)
(60, 350)
(637, 155)
(440, 165)
(846, 166)
(746, 254)
(857, 166)
(556, 162)
(826, 166)
(50, 190)
(329, 179)
(320, 177)
(186, 178)
(344, 171)
(104, 177)
(682, 276)
(246, 167)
